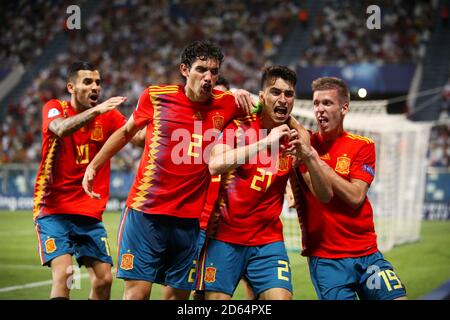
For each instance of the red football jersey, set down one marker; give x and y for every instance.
(334, 230)
(173, 176)
(211, 197)
(64, 160)
(251, 196)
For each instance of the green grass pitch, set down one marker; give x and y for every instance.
(422, 266)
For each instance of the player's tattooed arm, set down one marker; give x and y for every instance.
(113, 145)
(63, 127)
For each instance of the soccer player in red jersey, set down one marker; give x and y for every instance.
(67, 221)
(244, 233)
(339, 236)
(159, 227)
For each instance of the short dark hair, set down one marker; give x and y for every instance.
(72, 72)
(274, 72)
(223, 82)
(331, 83)
(203, 50)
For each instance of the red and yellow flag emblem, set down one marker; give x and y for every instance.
(218, 121)
(283, 163)
(50, 245)
(210, 274)
(343, 165)
(127, 261)
(97, 133)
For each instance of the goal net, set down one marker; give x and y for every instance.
(397, 192)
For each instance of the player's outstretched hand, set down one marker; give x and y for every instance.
(110, 104)
(88, 181)
(244, 100)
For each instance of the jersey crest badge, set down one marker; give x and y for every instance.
(343, 165)
(50, 245)
(97, 133)
(127, 261)
(210, 274)
(218, 121)
(283, 163)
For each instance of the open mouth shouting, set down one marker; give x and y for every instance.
(93, 98)
(323, 121)
(280, 112)
(207, 87)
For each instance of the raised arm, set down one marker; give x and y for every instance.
(225, 158)
(115, 142)
(66, 126)
(316, 177)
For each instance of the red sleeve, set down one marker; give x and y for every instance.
(117, 120)
(363, 167)
(143, 114)
(52, 110)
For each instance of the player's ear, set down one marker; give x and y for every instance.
(71, 87)
(184, 70)
(261, 96)
(345, 108)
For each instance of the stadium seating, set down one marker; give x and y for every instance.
(135, 45)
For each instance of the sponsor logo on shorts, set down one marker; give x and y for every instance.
(210, 274)
(127, 261)
(50, 245)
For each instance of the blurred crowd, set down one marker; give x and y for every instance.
(137, 43)
(340, 35)
(445, 107)
(27, 26)
(439, 152)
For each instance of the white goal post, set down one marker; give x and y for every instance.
(397, 192)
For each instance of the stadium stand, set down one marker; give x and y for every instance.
(406, 27)
(250, 33)
(134, 45)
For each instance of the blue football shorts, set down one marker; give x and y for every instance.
(77, 235)
(222, 265)
(369, 277)
(157, 248)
